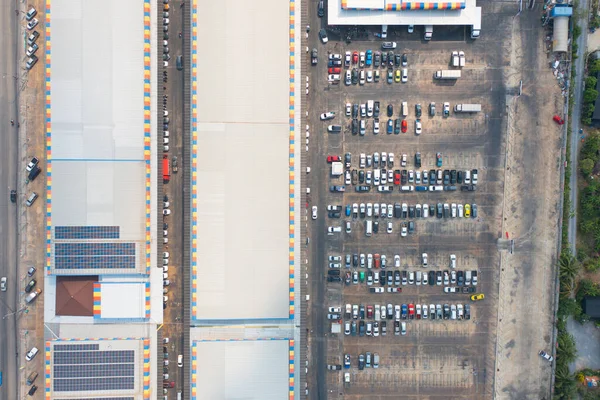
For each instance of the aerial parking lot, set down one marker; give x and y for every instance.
(411, 204)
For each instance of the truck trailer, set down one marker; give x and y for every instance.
(467, 108)
(447, 74)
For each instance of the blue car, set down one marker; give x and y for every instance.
(390, 127)
(348, 210)
(404, 311)
(369, 57)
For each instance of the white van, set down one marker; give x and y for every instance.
(31, 353)
(404, 109)
(468, 278)
(31, 199)
(370, 108)
(368, 227)
(467, 177)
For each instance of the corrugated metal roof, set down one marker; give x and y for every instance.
(561, 11)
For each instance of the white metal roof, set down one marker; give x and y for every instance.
(336, 15)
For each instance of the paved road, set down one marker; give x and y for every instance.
(8, 180)
(576, 118)
(173, 315)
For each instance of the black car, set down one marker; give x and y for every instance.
(334, 279)
(355, 110)
(390, 110)
(391, 58)
(459, 177)
(13, 196)
(453, 177)
(376, 110)
(384, 59)
(418, 160)
(446, 177)
(376, 227)
(474, 210)
(333, 272)
(404, 177)
(354, 76)
(355, 259)
(404, 59)
(32, 390)
(397, 126)
(460, 278)
(361, 328)
(397, 210)
(431, 278)
(321, 9)
(418, 110)
(377, 59)
(468, 188)
(362, 189)
(411, 211)
(397, 60)
(361, 176)
(467, 311)
(382, 278)
(431, 210)
(334, 214)
(440, 210)
(411, 227)
(355, 126)
(34, 173)
(30, 285)
(432, 177)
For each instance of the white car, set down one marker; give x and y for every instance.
(369, 76)
(425, 210)
(348, 109)
(411, 28)
(425, 259)
(314, 212)
(369, 209)
(3, 284)
(348, 79)
(452, 260)
(390, 227)
(32, 24)
(376, 126)
(453, 210)
(327, 115)
(348, 178)
(333, 229)
(363, 208)
(32, 49)
(180, 361)
(403, 163)
(355, 209)
(166, 212)
(418, 127)
(347, 59)
(404, 230)
(390, 211)
(369, 261)
(362, 59)
(460, 211)
(451, 289)
(397, 261)
(446, 109)
(362, 78)
(404, 75)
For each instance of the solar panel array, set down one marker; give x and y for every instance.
(86, 232)
(94, 255)
(84, 367)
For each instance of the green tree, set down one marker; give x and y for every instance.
(568, 307)
(594, 67)
(587, 166)
(586, 287)
(569, 267)
(590, 147)
(567, 350)
(590, 95)
(565, 384)
(590, 82)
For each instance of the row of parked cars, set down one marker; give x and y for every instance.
(33, 47)
(417, 278)
(404, 210)
(380, 260)
(372, 109)
(368, 58)
(406, 311)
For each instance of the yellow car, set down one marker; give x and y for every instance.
(467, 210)
(397, 76)
(477, 297)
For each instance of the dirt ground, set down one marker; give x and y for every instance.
(531, 215)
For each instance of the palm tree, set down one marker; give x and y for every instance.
(569, 267)
(567, 350)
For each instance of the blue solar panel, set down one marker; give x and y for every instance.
(75, 347)
(78, 369)
(94, 249)
(86, 232)
(95, 262)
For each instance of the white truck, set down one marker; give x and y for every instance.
(447, 74)
(467, 108)
(370, 104)
(337, 168)
(428, 32)
(455, 59)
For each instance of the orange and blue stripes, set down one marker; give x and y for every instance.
(194, 168)
(398, 5)
(292, 139)
(147, 132)
(48, 121)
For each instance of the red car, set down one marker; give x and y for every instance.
(355, 57)
(404, 126)
(377, 260)
(411, 311)
(331, 159)
(397, 177)
(335, 70)
(369, 311)
(167, 384)
(558, 120)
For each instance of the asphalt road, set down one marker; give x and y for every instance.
(8, 214)
(173, 314)
(576, 118)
